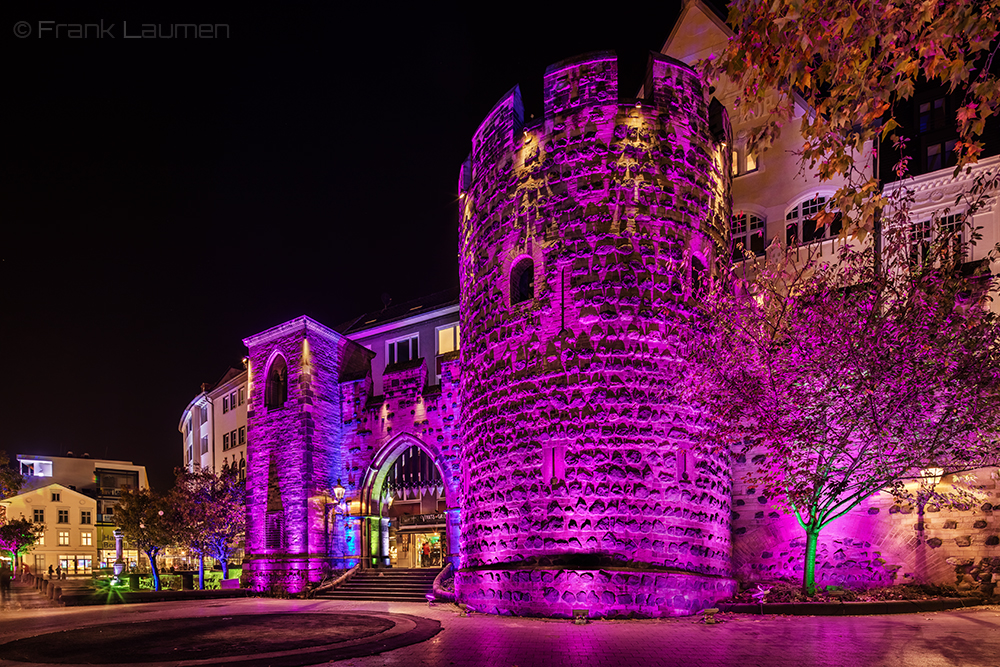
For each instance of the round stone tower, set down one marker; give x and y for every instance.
(583, 237)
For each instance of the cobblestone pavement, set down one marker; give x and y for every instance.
(961, 637)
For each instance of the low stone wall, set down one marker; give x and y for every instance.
(604, 593)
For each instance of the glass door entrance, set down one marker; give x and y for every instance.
(410, 549)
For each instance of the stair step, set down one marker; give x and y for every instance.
(392, 585)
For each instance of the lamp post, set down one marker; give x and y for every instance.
(339, 508)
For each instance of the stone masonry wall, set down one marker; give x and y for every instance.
(879, 543)
(575, 443)
(293, 450)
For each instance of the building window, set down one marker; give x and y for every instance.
(225, 441)
(941, 155)
(86, 539)
(276, 386)
(447, 341)
(243, 435)
(55, 497)
(744, 161)
(85, 517)
(63, 516)
(41, 540)
(274, 535)
(932, 115)
(952, 236)
(243, 468)
(204, 444)
(39, 515)
(36, 468)
(64, 538)
(225, 404)
(232, 400)
(801, 227)
(748, 234)
(401, 350)
(232, 438)
(84, 564)
(919, 242)
(243, 395)
(204, 414)
(522, 281)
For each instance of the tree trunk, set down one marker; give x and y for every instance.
(921, 554)
(224, 561)
(201, 572)
(809, 576)
(151, 555)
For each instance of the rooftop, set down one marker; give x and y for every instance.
(401, 311)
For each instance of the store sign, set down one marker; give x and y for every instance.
(421, 519)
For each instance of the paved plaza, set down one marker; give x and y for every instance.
(441, 635)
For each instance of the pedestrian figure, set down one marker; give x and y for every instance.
(52, 574)
(5, 575)
(427, 554)
(59, 571)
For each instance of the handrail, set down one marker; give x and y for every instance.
(336, 582)
(439, 592)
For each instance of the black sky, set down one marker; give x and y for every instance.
(163, 199)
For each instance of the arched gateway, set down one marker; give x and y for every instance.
(330, 430)
(416, 504)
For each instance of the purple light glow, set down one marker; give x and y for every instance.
(574, 443)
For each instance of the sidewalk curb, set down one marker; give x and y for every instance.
(127, 597)
(851, 608)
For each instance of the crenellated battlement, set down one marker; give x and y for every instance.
(576, 86)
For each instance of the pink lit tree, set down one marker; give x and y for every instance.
(845, 382)
(210, 514)
(19, 535)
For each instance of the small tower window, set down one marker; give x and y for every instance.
(276, 388)
(522, 281)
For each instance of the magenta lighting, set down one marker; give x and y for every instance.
(583, 236)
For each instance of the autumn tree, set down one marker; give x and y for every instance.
(11, 480)
(852, 64)
(210, 512)
(145, 519)
(844, 382)
(19, 535)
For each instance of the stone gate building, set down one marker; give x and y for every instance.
(527, 428)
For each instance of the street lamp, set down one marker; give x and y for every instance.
(340, 509)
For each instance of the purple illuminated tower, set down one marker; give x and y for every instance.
(583, 236)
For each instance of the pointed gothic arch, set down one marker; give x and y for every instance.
(381, 465)
(276, 382)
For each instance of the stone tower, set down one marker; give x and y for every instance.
(295, 454)
(583, 236)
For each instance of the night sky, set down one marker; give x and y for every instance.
(163, 199)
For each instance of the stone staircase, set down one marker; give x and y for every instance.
(388, 585)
